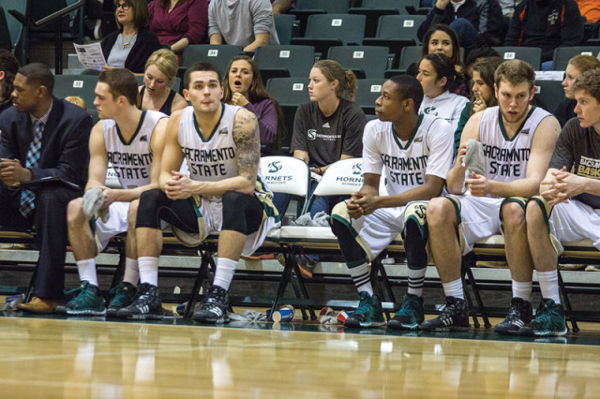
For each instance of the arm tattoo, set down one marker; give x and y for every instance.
(247, 139)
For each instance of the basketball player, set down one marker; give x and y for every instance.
(415, 155)
(129, 139)
(567, 210)
(223, 192)
(517, 140)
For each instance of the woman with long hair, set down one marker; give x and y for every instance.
(575, 68)
(155, 93)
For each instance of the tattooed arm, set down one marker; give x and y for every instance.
(247, 140)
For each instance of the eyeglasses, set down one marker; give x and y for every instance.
(124, 6)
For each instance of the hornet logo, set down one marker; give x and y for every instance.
(312, 134)
(274, 167)
(356, 169)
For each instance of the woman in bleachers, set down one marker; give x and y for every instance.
(155, 93)
(244, 87)
(8, 69)
(575, 68)
(132, 44)
(438, 78)
(179, 23)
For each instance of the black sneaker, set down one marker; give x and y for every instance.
(549, 321)
(123, 295)
(519, 314)
(214, 307)
(147, 304)
(454, 316)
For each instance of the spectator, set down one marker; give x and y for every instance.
(547, 24)
(243, 86)
(477, 22)
(477, 55)
(155, 93)
(437, 76)
(8, 69)
(282, 6)
(179, 23)
(132, 44)
(590, 9)
(327, 129)
(508, 7)
(247, 23)
(80, 102)
(42, 136)
(575, 68)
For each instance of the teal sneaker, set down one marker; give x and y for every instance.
(89, 302)
(368, 313)
(123, 295)
(410, 315)
(549, 321)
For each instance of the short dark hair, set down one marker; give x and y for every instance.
(589, 82)
(38, 74)
(10, 66)
(199, 66)
(515, 72)
(444, 67)
(480, 52)
(121, 82)
(409, 87)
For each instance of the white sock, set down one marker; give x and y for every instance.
(132, 272)
(549, 285)
(87, 271)
(224, 274)
(454, 288)
(148, 267)
(416, 279)
(362, 278)
(521, 290)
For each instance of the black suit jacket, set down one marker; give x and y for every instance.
(65, 138)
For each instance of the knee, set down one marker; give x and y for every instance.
(149, 200)
(534, 215)
(75, 213)
(440, 212)
(513, 216)
(233, 198)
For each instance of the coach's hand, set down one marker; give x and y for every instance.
(179, 186)
(478, 185)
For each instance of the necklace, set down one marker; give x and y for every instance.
(130, 39)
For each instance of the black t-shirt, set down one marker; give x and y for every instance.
(565, 110)
(326, 139)
(579, 148)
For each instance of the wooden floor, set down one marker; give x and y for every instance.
(54, 358)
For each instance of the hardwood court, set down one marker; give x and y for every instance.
(52, 358)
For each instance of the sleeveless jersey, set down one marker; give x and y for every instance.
(506, 159)
(131, 160)
(427, 152)
(447, 106)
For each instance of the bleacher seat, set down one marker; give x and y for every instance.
(409, 55)
(365, 61)
(562, 55)
(549, 93)
(77, 85)
(374, 9)
(368, 91)
(396, 32)
(531, 55)
(327, 30)
(217, 54)
(289, 93)
(284, 61)
(284, 24)
(305, 8)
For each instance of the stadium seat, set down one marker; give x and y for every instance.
(531, 55)
(409, 55)
(327, 30)
(284, 61)
(365, 61)
(286, 175)
(289, 93)
(373, 9)
(396, 32)
(549, 93)
(217, 54)
(77, 85)
(343, 177)
(562, 55)
(368, 91)
(305, 8)
(284, 24)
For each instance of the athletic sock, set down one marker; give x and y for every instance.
(521, 290)
(148, 268)
(549, 285)
(454, 288)
(87, 271)
(132, 271)
(225, 271)
(362, 278)
(416, 279)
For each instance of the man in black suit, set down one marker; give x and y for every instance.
(42, 136)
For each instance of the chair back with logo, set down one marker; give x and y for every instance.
(285, 174)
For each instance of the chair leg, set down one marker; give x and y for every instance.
(376, 269)
(299, 296)
(468, 297)
(202, 274)
(120, 270)
(285, 278)
(565, 299)
(303, 289)
(484, 316)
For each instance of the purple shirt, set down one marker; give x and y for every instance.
(267, 120)
(188, 19)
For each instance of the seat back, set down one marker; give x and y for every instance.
(285, 174)
(289, 93)
(409, 55)
(399, 26)
(548, 94)
(371, 60)
(531, 55)
(349, 28)
(284, 24)
(77, 85)
(329, 6)
(15, 28)
(217, 54)
(562, 55)
(296, 60)
(341, 178)
(368, 91)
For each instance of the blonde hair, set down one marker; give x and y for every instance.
(166, 62)
(584, 62)
(77, 101)
(332, 70)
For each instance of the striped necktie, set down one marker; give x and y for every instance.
(32, 160)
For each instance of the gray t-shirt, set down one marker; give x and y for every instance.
(326, 139)
(120, 50)
(578, 149)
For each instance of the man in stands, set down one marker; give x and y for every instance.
(132, 141)
(414, 153)
(517, 141)
(223, 194)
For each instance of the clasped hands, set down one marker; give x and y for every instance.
(560, 186)
(12, 173)
(361, 204)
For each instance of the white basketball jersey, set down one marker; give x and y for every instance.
(506, 159)
(212, 159)
(447, 106)
(427, 152)
(131, 160)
